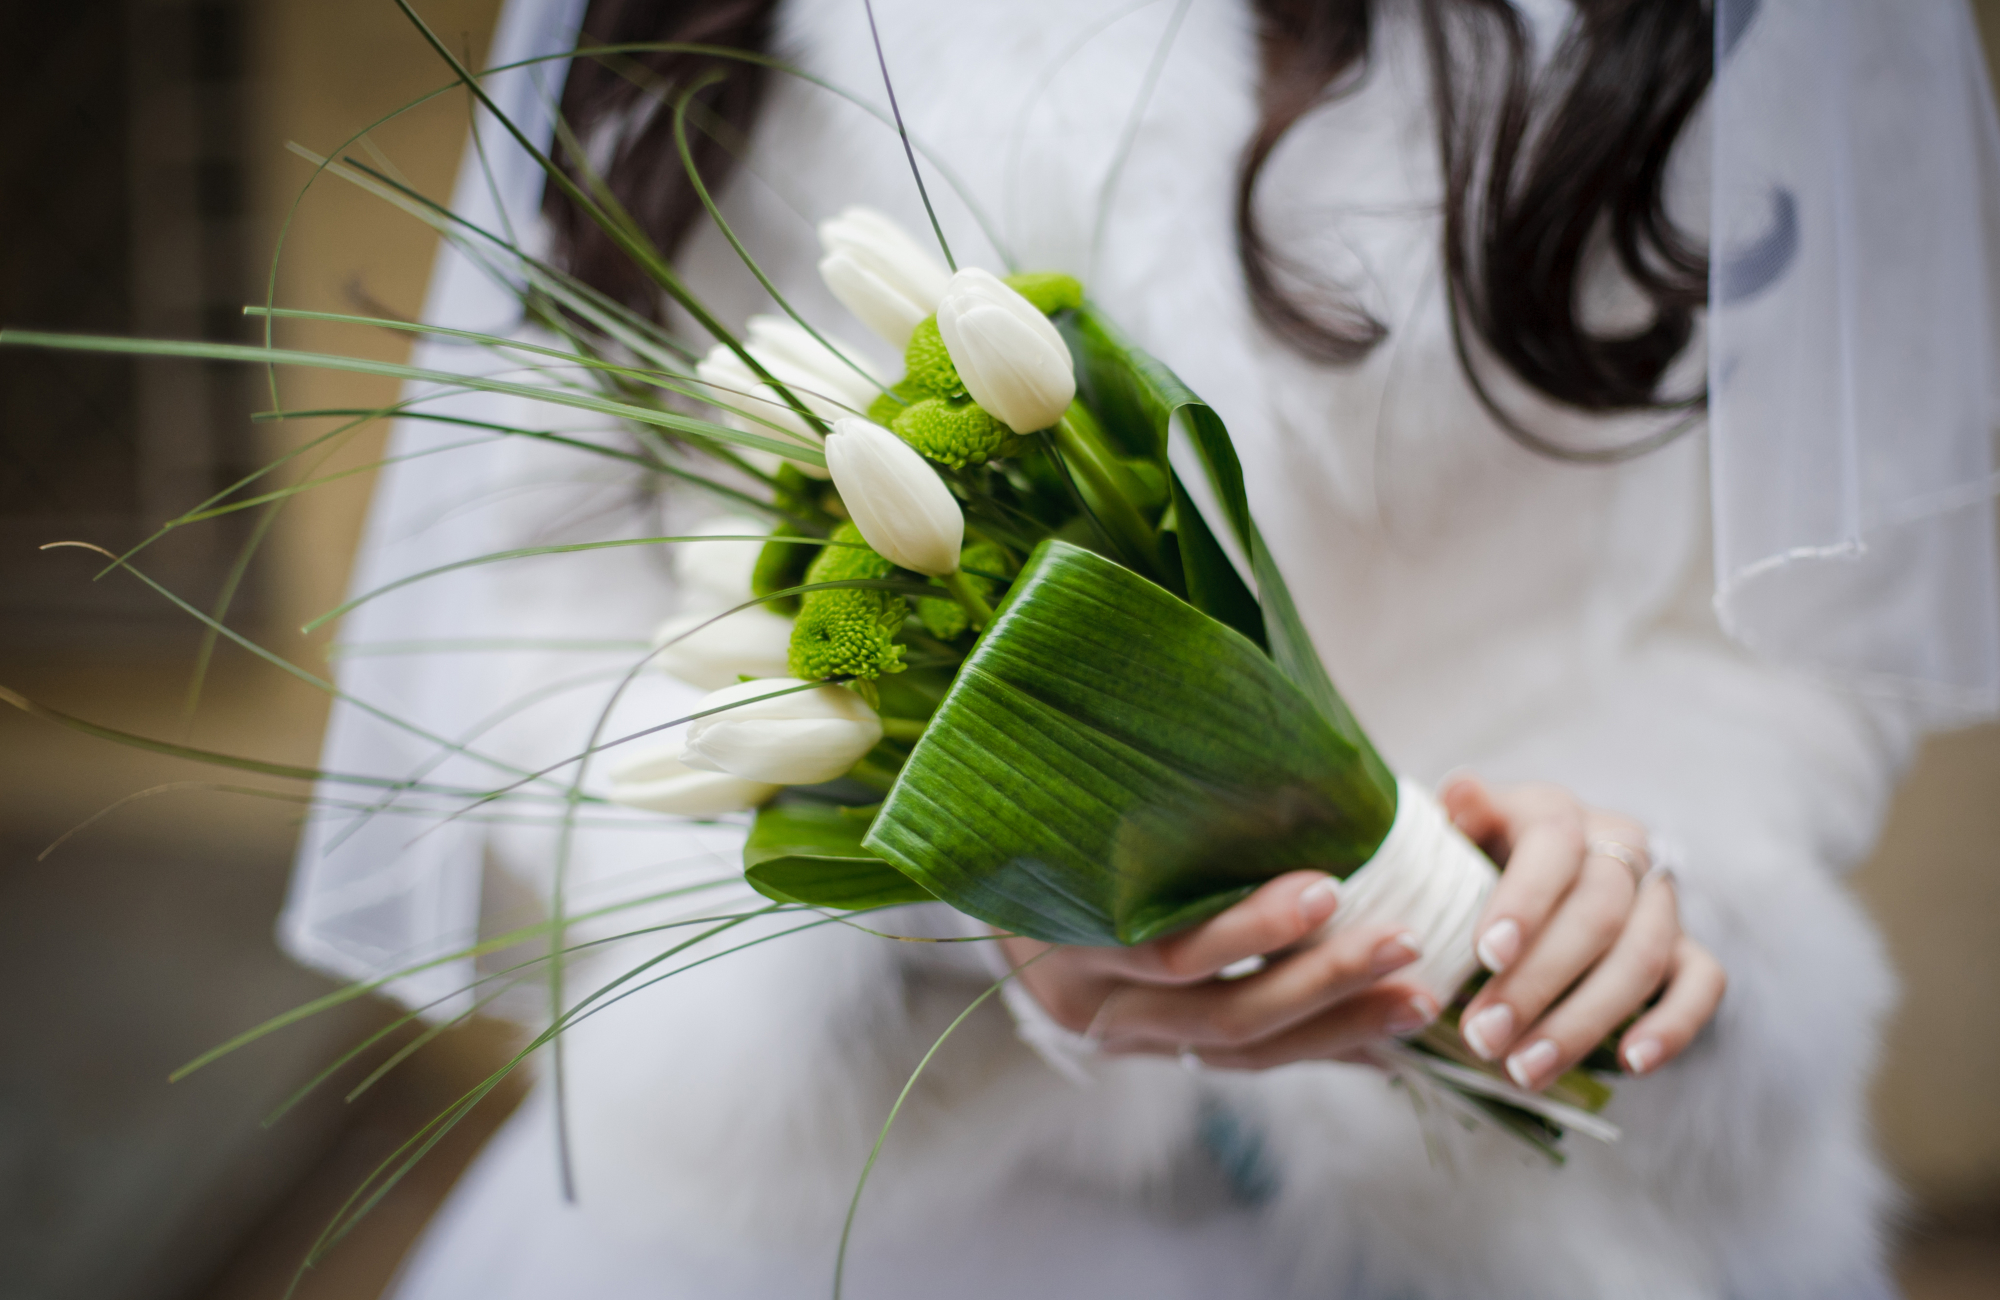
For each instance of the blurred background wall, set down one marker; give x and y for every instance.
(145, 187)
(145, 197)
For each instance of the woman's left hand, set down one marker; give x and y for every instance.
(1581, 933)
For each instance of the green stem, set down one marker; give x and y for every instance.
(903, 728)
(967, 595)
(1113, 491)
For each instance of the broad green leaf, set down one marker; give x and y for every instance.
(1112, 765)
(1117, 382)
(807, 851)
(1138, 398)
(1111, 383)
(1213, 585)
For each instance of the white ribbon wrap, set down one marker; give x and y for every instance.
(1428, 879)
(1425, 878)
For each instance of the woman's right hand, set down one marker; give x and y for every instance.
(1314, 999)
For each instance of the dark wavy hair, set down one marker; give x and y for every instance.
(1541, 169)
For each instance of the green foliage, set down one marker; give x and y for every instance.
(848, 632)
(804, 851)
(1049, 291)
(1112, 765)
(945, 618)
(781, 565)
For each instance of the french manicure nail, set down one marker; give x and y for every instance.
(1243, 968)
(1500, 945)
(1487, 1032)
(1528, 1064)
(1412, 1016)
(1317, 900)
(1642, 1055)
(1394, 954)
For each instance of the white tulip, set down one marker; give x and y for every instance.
(657, 780)
(879, 273)
(895, 498)
(824, 383)
(1013, 362)
(751, 642)
(797, 739)
(716, 575)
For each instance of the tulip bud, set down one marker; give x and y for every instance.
(1013, 362)
(895, 498)
(748, 643)
(716, 575)
(798, 739)
(657, 780)
(879, 273)
(815, 374)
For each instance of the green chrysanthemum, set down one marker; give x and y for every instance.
(847, 632)
(1048, 291)
(887, 406)
(954, 433)
(927, 366)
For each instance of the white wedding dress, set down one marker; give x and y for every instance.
(1478, 604)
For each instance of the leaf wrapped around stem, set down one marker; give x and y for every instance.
(1112, 765)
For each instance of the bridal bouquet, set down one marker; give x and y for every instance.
(996, 656)
(968, 634)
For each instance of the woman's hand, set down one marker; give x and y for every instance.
(1581, 933)
(1324, 1000)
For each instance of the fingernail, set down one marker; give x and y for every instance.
(1528, 1064)
(1487, 1032)
(1642, 1055)
(1243, 969)
(1319, 899)
(1499, 946)
(1394, 954)
(1412, 1016)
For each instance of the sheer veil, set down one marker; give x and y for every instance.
(1852, 345)
(1852, 370)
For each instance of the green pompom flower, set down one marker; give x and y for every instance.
(1049, 291)
(927, 367)
(847, 632)
(887, 406)
(954, 433)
